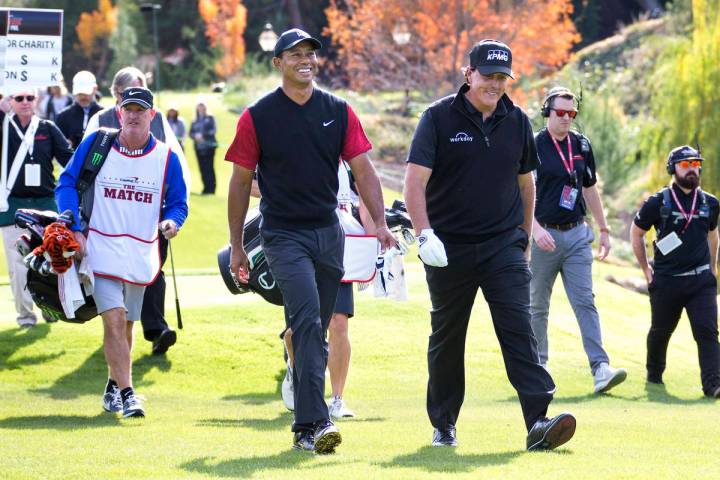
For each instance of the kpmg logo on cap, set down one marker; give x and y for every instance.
(501, 55)
(461, 137)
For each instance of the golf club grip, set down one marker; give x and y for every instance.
(179, 316)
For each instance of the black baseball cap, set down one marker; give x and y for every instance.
(491, 56)
(686, 152)
(139, 95)
(290, 38)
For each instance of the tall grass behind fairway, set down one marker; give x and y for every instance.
(214, 409)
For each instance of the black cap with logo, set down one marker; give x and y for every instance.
(491, 56)
(685, 152)
(290, 38)
(138, 95)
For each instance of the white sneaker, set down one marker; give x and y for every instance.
(339, 410)
(606, 377)
(286, 390)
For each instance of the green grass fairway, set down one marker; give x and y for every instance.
(214, 410)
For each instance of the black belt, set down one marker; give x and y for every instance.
(562, 226)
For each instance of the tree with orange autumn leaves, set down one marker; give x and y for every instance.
(94, 30)
(539, 32)
(225, 22)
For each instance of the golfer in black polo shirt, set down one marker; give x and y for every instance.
(296, 136)
(684, 272)
(469, 190)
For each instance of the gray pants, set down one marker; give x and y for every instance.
(572, 258)
(17, 271)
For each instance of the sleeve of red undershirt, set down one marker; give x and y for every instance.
(244, 149)
(356, 142)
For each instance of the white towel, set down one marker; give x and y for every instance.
(390, 278)
(71, 294)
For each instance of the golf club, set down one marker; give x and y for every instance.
(177, 301)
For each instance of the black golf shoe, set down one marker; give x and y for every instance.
(445, 437)
(327, 437)
(304, 440)
(164, 341)
(550, 433)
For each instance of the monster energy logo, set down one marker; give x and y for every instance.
(96, 159)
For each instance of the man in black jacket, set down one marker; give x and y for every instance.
(28, 145)
(470, 193)
(73, 120)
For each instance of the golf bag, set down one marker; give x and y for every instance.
(261, 280)
(42, 283)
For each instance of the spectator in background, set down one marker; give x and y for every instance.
(177, 124)
(31, 144)
(54, 101)
(202, 131)
(73, 120)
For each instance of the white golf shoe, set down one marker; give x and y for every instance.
(338, 410)
(606, 377)
(287, 391)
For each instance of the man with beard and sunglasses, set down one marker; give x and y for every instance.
(566, 186)
(684, 272)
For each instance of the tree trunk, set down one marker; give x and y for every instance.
(294, 12)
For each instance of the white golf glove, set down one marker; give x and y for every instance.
(432, 251)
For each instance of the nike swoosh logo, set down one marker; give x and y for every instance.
(133, 93)
(325, 124)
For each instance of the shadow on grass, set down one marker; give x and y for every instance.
(246, 467)
(89, 378)
(659, 394)
(59, 422)
(281, 422)
(15, 339)
(436, 459)
(145, 364)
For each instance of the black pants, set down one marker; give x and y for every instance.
(152, 316)
(307, 264)
(697, 294)
(206, 161)
(499, 268)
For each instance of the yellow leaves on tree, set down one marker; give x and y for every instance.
(539, 32)
(225, 22)
(94, 28)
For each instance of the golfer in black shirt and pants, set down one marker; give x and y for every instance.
(470, 193)
(684, 273)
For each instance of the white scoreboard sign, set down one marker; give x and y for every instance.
(30, 47)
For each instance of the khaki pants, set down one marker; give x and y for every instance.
(17, 271)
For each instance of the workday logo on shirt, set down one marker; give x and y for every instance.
(461, 137)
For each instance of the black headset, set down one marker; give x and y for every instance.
(558, 92)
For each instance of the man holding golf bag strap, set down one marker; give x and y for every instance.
(470, 193)
(295, 136)
(139, 184)
(154, 325)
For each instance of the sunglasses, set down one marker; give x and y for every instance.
(22, 98)
(561, 113)
(689, 163)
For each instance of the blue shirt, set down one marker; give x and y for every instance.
(174, 207)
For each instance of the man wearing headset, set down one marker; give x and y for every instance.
(684, 271)
(565, 189)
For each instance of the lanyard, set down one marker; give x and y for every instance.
(569, 165)
(687, 216)
(28, 138)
